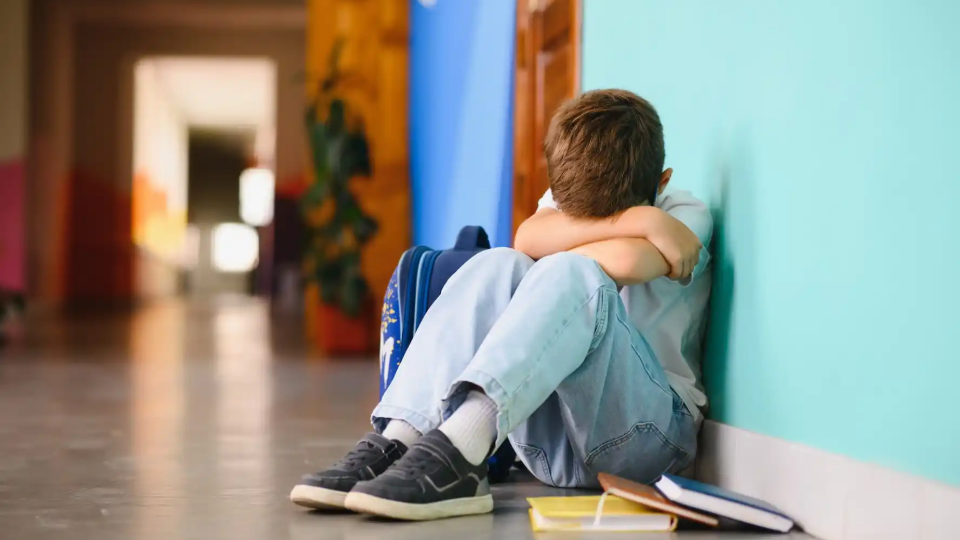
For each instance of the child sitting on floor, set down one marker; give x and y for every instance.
(581, 346)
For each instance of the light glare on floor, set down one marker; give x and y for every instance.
(235, 247)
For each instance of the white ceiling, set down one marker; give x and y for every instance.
(220, 92)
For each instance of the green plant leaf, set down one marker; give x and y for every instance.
(333, 248)
(337, 117)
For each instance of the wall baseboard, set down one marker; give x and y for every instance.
(831, 496)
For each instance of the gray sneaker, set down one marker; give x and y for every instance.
(329, 488)
(431, 481)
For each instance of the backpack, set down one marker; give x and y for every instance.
(413, 287)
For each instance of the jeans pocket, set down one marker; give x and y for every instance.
(641, 454)
(536, 460)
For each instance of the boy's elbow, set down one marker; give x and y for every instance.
(527, 248)
(526, 241)
(536, 235)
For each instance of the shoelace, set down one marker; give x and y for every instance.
(358, 455)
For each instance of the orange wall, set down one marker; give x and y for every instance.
(375, 35)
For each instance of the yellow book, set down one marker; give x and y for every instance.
(596, 513)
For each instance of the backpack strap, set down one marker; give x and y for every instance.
(472, 237)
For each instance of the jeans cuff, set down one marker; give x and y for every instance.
(492, 389)
(382, 414)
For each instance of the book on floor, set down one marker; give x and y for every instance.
(651, 498)
(596, 513)
(723, 502)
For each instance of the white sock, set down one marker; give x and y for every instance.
(472, 428)
(399, 430)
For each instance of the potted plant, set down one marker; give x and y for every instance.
(337, 227)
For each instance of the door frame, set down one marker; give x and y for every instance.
(525, 107)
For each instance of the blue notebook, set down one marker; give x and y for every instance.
(723, 502)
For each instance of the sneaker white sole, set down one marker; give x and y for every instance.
(368, 504)
(317, 497)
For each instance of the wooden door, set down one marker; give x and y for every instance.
(547, 74)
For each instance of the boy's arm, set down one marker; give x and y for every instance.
(628, 261)
(550, 231)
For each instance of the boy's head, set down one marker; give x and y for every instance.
(605, 154)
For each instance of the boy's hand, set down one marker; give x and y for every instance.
(679, 246)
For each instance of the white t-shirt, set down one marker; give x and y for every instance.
(670, 314)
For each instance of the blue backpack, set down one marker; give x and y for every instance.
(414, 286)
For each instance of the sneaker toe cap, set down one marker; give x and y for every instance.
(408, 492)
(329, 480)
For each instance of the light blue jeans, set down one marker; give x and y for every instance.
(577, 388)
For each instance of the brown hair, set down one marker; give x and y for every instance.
(604, 153)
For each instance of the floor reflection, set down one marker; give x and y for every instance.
(178, 420)
(191, 421)
(157, 410)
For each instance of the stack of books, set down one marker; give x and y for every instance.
(629, 506)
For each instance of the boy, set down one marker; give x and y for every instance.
(581, 345)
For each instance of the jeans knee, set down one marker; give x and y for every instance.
(569, 263)
(504, 257)
(497, 265)
(570, 266)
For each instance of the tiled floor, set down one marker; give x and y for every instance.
(190, 421)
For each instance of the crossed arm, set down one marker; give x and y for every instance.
(636, 246)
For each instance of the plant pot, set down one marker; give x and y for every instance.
(337, 334)
(311, 315)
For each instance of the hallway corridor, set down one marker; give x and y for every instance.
(191, 421)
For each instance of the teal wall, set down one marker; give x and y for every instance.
(826, 136)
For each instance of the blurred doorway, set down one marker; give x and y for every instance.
(204, 127)
(83, 55)
(217, 158)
